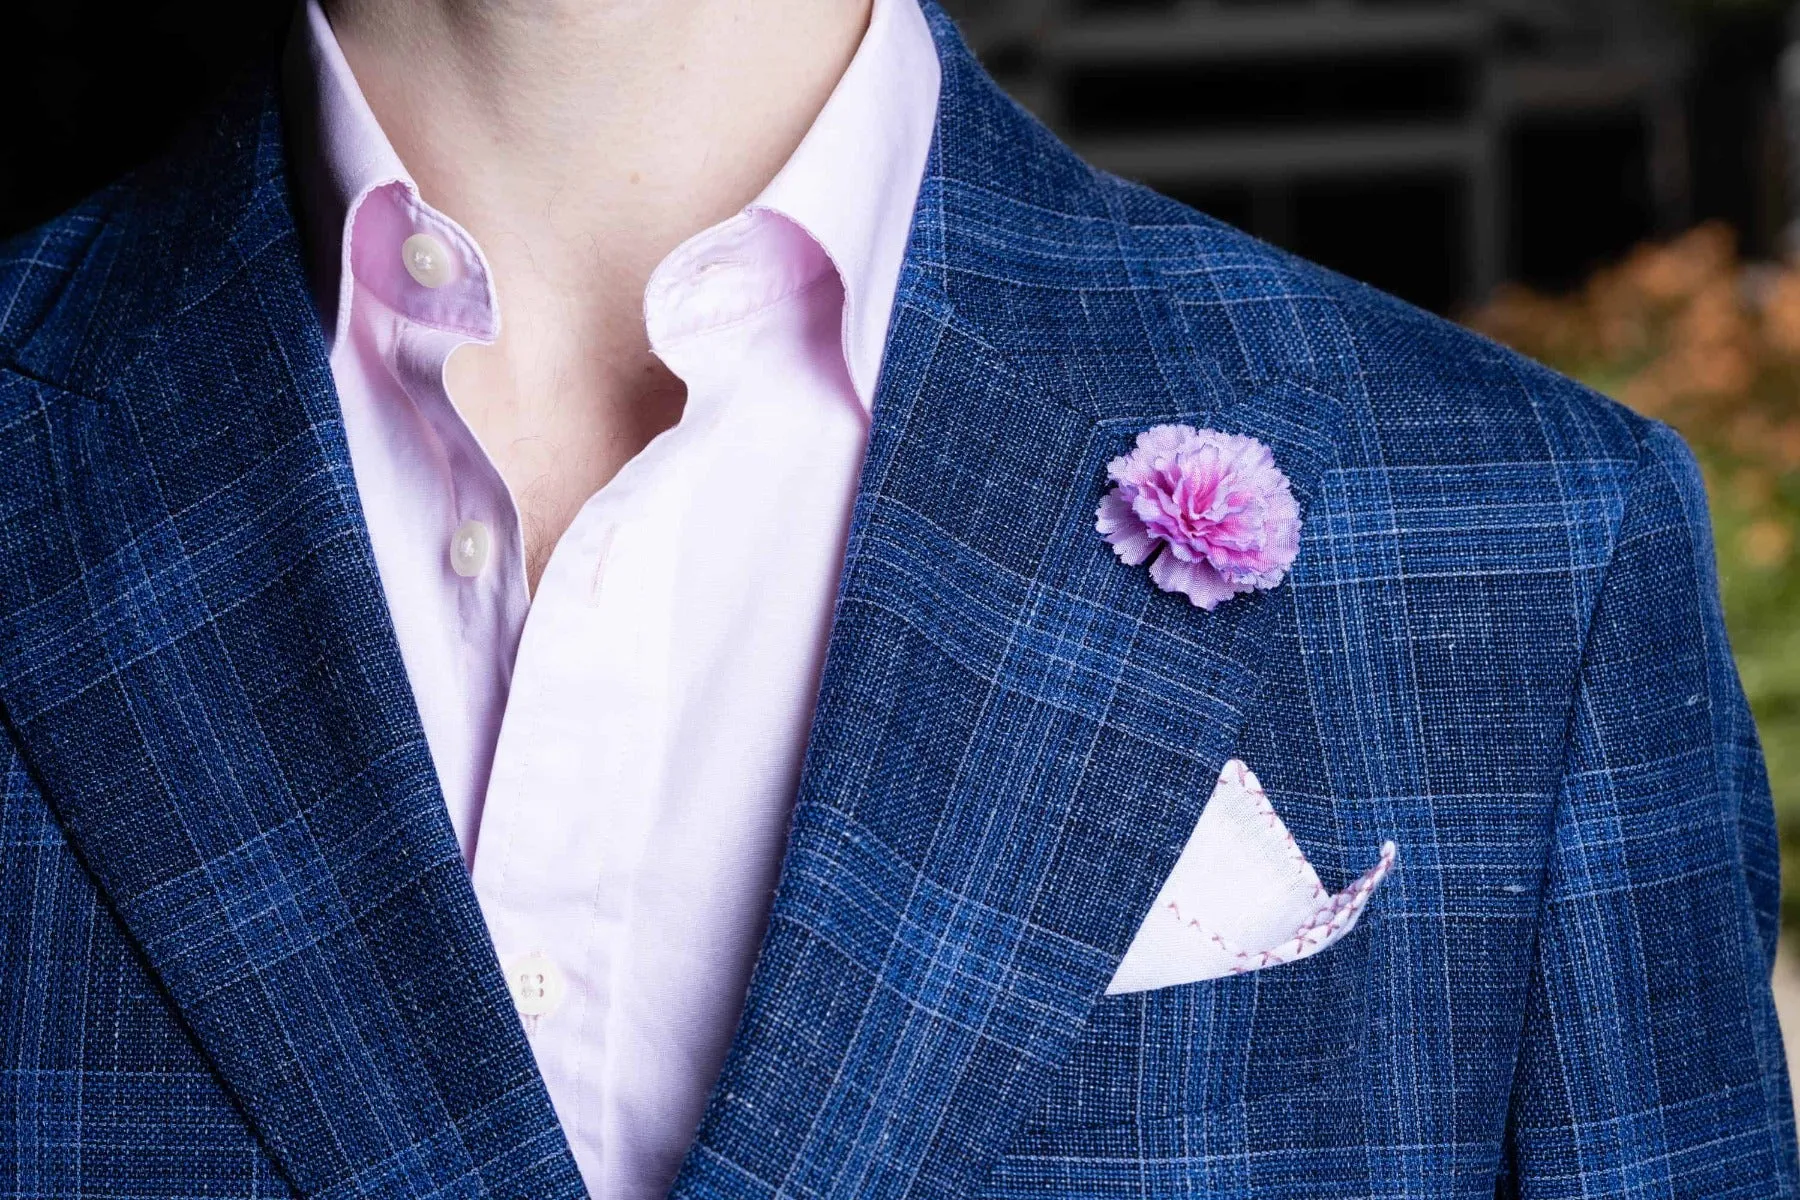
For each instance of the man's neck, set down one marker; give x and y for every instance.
(580, 141)
(634, 122)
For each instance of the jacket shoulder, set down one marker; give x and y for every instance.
(1419, 389)
(85, 294)
(37, 266)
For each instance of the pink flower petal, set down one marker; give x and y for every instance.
(1120, 526)
(1198, 581)
(1215, 504)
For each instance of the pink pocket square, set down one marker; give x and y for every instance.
(1242, 897)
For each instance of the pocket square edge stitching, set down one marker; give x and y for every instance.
(1330, 922)
(1336, 918)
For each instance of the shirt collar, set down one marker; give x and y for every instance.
(851, 186)
(854, 181)
(359, 204)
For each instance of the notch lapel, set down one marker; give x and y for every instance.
(1015, 733)
(196, 658)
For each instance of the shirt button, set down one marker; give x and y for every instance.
(469, 547)
(536, 984)
(426, 260)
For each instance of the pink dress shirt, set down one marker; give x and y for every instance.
(620, 754)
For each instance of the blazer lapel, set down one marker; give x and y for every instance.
(1015, 733)
(197, 660)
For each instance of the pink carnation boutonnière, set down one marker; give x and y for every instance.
(1211, 512)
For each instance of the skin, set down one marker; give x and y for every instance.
(580, 141)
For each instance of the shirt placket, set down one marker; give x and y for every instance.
(577, 781)
(420, 290)
(570, 802)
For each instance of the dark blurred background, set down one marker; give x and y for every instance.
(1605, 184)
(89, 88)
(1433, 148)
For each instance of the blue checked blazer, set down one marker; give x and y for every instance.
(240, 956)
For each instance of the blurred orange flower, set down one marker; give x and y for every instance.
(1681, 331)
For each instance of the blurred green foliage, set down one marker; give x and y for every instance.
(1684, 332)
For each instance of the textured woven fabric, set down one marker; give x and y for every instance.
(239, 955)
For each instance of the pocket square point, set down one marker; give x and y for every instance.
(1242, 897)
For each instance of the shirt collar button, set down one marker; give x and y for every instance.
(427, 261)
